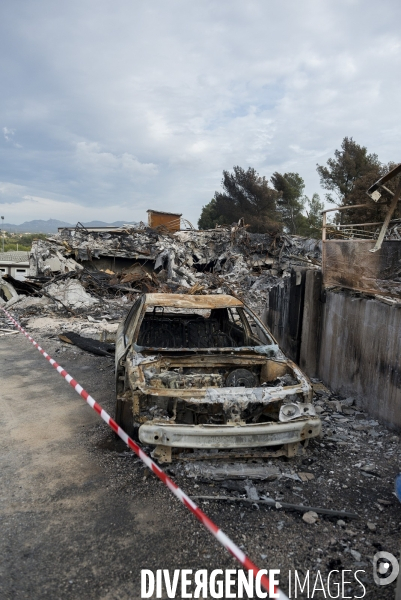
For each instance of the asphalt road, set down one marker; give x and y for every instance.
(79, 517)
(68, 530)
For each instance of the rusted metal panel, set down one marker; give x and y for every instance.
(172, 221)
(349, 264)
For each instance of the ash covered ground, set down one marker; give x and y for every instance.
(351, 468)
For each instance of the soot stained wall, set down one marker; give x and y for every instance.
(360, 353)
(350, 342)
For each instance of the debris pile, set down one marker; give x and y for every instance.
(330, 475)
(78, 269)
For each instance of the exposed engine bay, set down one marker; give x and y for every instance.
(197, 389)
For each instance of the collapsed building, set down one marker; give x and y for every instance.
(123, 262)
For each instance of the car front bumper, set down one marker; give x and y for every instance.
(229, 436)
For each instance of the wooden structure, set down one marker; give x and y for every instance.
(172, 221)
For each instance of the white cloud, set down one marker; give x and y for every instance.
(8, 133)
(144, 104)
(11, 190)
(8, 136)
(91, 158)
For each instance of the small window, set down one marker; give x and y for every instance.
(2, 270)
(21, 270)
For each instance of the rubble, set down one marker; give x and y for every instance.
(242, 481)
(310, 517)
(8, 294)
(251, 491)
(33, 302)
(357, 555)
(71, 293)
(4, 332)
(123, 262)
(84, 281)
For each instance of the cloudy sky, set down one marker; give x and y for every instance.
(111, 107)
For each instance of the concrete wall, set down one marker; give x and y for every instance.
(350, 342)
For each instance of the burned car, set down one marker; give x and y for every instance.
(204, 372)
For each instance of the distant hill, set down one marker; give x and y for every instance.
(50, 226)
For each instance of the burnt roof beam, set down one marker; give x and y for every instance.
(390, 175)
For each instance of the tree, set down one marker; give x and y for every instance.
(290, 203)
(246, 195)
(210, 216)
(313, 216)
(347, 176)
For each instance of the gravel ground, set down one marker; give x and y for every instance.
(127, 520)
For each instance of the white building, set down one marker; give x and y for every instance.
(15, 264)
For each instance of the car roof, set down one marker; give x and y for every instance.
(192, 301)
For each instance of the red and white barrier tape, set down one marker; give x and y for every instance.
(186, 500)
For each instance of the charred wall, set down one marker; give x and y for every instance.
(349, 341)
(284, 312)
(360, 353)
(350, 264)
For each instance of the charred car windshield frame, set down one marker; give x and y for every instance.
(200, 329)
